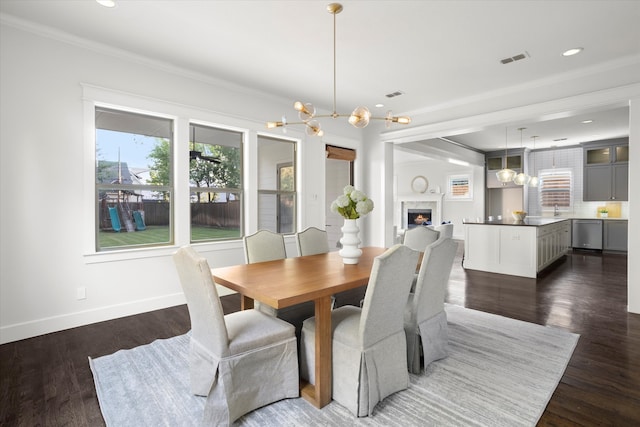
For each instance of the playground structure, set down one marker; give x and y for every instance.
(115, 210)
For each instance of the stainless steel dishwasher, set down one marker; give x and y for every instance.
(587, 234)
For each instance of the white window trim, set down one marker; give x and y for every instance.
(181, 115)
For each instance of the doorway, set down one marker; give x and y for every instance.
(339, 173)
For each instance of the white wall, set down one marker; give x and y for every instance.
(43, 212)
(633, 260)
(437, 172)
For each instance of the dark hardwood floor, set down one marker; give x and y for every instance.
(46, 381)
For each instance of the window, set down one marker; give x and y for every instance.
(459, 187)
(133, 178)
(215, 179)
(276, 185)
(555, 188)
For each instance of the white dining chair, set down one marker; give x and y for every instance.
(446, 231)
(241, 361)
(265, 245)
(425, 321)
(418, 238)
(369, 360)
(312, 241)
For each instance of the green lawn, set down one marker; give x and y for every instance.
(160, 234)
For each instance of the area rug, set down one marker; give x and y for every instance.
(500, 372)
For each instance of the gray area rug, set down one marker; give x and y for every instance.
(500, 372)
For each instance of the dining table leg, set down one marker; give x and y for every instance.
(320, 394)
(246, 303)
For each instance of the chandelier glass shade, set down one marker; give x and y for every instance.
(359, 118)
(521, 178)
(534, 181)
(505, 175)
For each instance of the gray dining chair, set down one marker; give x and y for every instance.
(229, 355)
(425, 321)
(446, 231)
(265, 245)
(312, 241)
(369, 360)
(418, 238)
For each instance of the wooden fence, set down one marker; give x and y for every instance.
(225, 215)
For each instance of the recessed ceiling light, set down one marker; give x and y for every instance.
(572, 52)
(379, 105)
(586, 121)
(107, 3)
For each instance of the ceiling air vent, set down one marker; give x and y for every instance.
(515, 58)
(394, 94)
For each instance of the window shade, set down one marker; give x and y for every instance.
(339, 153)
(137, 124)
(555, 188)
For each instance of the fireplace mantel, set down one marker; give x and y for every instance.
(431, 201)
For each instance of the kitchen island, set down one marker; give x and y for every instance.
(519, 248)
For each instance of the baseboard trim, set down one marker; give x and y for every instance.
(20, 331)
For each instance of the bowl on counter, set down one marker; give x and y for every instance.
(519, 215)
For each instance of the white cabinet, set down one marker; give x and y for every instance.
(553, 242)
(519, 250)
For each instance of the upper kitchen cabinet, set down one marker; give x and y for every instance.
(606, 170)
(496, 160)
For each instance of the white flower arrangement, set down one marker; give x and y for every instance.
(352, 204)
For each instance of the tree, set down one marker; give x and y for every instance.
(159, 169)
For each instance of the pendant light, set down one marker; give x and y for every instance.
(505, 175)
(359, 118)
(522, 178)
(534, 179)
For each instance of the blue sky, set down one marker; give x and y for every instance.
(134, 149)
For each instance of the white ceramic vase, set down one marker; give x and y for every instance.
(350, 251)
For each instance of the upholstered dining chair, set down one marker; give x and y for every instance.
(418, 238)
(265, 245)
(312, 241)
(261, 246)
(425, 321)
(369, 360)
(446, 231)
(241, 361)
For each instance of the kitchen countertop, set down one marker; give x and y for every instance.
(531, 221)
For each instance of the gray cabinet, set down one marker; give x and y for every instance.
(497, 160)
(606, 170)
(616, 235)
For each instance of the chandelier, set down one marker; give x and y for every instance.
(359, 118)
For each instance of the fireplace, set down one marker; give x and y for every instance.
(409, 206)
(417, 217)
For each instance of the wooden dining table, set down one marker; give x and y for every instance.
(286, 282)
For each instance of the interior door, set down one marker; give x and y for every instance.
(339, 172)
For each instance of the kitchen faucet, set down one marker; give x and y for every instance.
(556, 211)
